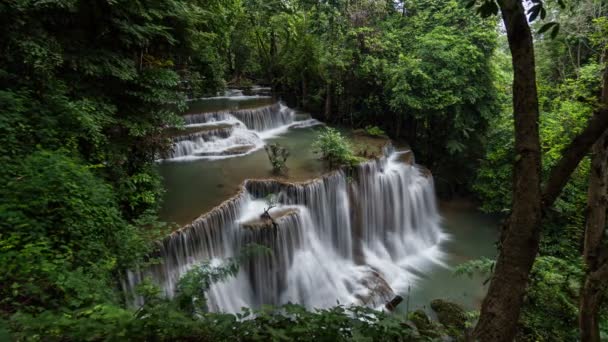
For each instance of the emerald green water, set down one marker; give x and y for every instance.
(195, 187)
(472, 235)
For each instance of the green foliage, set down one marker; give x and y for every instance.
(186, 319)
(61, 235)
(565, 108)
(481, 266)
(334, 148)
(163, 322)
(374, 131)
(277, 155)
(82, 113)
(551, 304)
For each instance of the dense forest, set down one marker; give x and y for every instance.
(506, 102)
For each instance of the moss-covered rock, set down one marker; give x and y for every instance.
(424, 325)
(451, 316)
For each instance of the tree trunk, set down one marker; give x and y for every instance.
(502, 305)
(327, 101)
(398, 125)
(304, 92)
(591, 293)
(595, 279)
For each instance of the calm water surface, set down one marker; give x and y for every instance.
(472, 235)
(195, 187)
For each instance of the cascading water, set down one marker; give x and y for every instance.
(355, 238)
(247, 128)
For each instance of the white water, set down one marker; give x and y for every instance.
(356, 239)
(238, 132)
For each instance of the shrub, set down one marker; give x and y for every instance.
(375, 131)
(277, 155)
(334, 148)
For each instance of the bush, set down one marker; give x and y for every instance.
(185, 318)
(61, 236)
(374, 131)
(335, 149)
(277, 155)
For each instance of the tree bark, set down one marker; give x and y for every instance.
(596, 277)
(502, 305)
(595, 285)
(327, 101)
(591, 293)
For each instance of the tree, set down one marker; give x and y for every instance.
(520, 238)
(595, 249)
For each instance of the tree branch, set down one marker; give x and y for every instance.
(578, 148)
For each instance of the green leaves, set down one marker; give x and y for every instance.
(334, 148)
(553, 26)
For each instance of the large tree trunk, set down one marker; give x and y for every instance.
(502, 305)
(327, 101)
(593, 252)
(591, 293)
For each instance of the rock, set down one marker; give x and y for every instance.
(380, 292)
(220, 127)
(407, 158)
(450, 315)
(262, 223)
(231, 151)
(421, 320)
(424, 325)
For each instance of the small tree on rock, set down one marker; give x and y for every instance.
(277, 155)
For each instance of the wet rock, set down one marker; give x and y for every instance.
(421, 320)
(227, 152)
(380, 292)
(220, 129)
(407, 158)
(264, 223)
(424, 325)
(450, 315)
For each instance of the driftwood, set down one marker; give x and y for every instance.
(266, 216)
(392, 305)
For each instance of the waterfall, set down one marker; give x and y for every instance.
(265, 118)
(231, 133)
(349, 237)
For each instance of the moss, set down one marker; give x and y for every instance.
(424, 325)
(451, 316)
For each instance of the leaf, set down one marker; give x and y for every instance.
(546, 27)
(534, 12)
(488, 8)
(555, 31)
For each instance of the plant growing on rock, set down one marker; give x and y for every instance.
(277, 155)
(375, 131)
(334, 148)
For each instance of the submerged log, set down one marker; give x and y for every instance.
(392, 305)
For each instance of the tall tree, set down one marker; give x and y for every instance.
(520, 238)
(595, 251)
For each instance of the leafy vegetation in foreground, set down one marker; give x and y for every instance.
(87, 89)
(185, 318)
